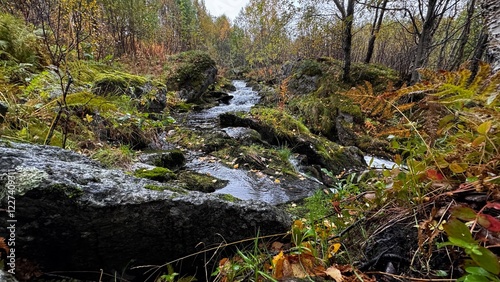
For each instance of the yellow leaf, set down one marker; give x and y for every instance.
(277, 262)
(89, 118)
(457, 168)
(441, 162)
(484, 127)
(236, 166)
(334, 273)
(334, 248)
(277, 181)
(479, 140)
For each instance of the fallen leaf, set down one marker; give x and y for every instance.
(276, 246)
(334, 273)
(334, 248)
(493, 205)
(489, 222)
(236, 166)
(277, 181)
(433, 174)
(277, 262)
(299, 271)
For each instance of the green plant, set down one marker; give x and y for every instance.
(248, 267)
(484, 265)
(114, 157)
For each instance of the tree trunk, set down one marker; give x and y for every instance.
(491, 13)
(464, 37)
(347, 40)
(377, 24)
(425, 39)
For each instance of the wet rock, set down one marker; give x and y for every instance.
(216, 140)
(345, 134)
(172, 159)
(217, 97)
(74, 215)
(321, 152)
(244, 136)
(201, 182)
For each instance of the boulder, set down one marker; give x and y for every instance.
(171, 159)
(74, 215)
(317, 150)
(191, 74)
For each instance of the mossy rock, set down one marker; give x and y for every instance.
(160, 174)
(378, 75)
(195, 181)
(119, 83)
(229, 198)
(168, 188)
(172, 159)
(191, 73)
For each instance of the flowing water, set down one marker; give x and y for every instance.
(243, 184)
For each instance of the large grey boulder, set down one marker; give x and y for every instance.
(74, 215)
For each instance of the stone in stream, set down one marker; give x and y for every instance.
(74, 215)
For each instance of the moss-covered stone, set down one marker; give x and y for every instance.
(172, 159)
(271, 161)
(229, 198)
(119, 83)
(192, 73)
(160, 174)
(195, 181)
(168, 188)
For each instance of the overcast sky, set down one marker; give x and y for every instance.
(229, 7)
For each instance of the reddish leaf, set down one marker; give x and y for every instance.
(433, 174)
(489, 222)
(493, 205)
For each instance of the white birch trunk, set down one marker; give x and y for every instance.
(491, 12)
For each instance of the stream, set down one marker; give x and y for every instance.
(244, 184)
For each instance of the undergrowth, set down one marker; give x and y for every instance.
(446, 133)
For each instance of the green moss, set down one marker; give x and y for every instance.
(91, 102)
(309, 68)
(70, 191)
(158, 173)
(168, 188)
(119, 83)
(229, 198)
(188, 68)
(379, 76)
(201, 182)
(282, 122)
